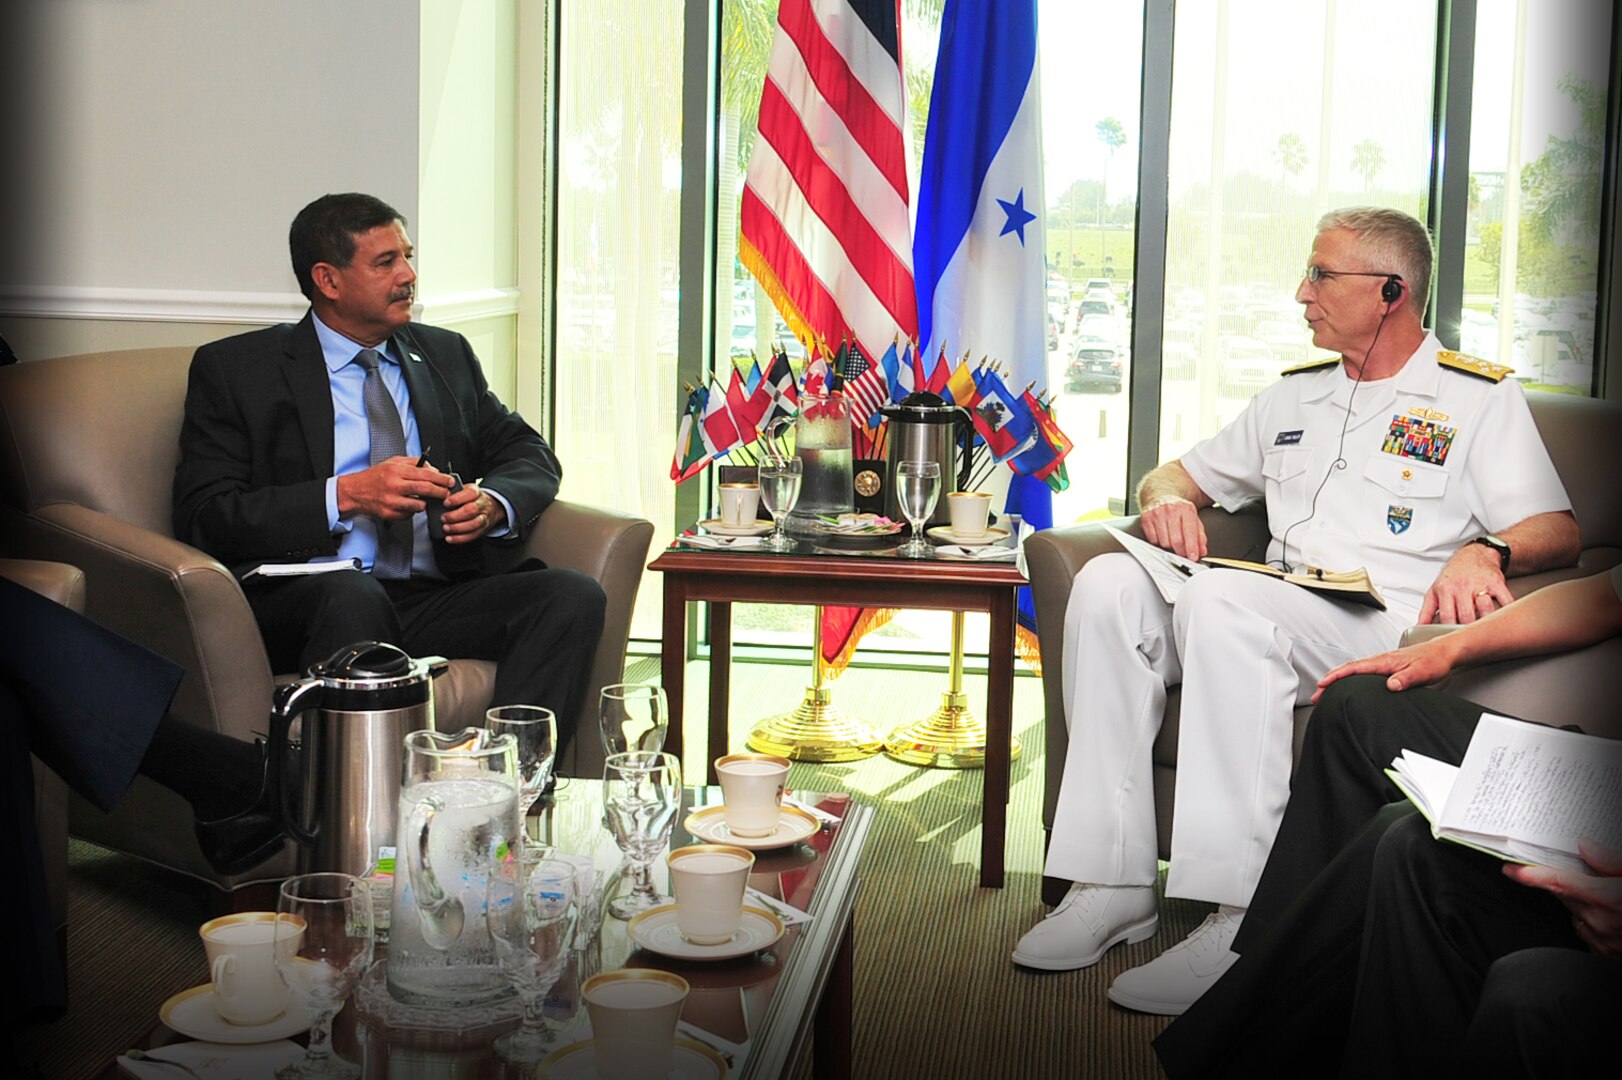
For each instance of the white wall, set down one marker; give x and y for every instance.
(179, 137)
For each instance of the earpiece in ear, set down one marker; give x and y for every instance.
(1391, 291)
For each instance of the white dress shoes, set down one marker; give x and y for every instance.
(1174, 980)
(1088, 921)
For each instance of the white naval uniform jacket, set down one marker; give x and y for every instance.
(1433, 457)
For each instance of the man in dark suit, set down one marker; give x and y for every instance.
(354, 434)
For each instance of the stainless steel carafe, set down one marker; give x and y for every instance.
(926, 427)
(341, 787)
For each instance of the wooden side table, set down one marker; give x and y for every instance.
(724, 578)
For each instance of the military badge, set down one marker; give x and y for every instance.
(1398, 518)
(1425, 440)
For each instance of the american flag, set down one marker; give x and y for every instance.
(824, 224)
(865, 387)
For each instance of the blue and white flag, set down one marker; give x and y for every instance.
(978, 249)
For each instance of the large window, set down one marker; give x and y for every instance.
(618, 198)
(1537, 127)
(1280, 111)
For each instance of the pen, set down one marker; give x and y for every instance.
(424, 459)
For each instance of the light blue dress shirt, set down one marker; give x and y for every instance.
(351, 449)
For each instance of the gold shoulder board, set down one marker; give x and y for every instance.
(1312, 365)
(1472, 365)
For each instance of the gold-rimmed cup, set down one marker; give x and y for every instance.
(708, 881)
(241, 950)
(752, 792)
(633, 1021)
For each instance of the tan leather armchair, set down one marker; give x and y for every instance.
(88, 447)
(1584, 438)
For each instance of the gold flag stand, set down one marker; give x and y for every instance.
(950, 737)
(817, 729)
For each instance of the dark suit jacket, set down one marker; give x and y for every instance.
(256, 445)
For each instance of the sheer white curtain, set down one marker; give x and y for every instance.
(619, 181)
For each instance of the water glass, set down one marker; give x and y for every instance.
(641, 796)
(632, 716)
(531, 912)
(918, 488)
(329, 948)
(536, 732)
(779, 492)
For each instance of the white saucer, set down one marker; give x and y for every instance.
(191, 1012)
(715, 525)
(656, 931)
(990, 536)
(691, 1060)
(793, 825)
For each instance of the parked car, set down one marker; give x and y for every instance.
(1247, 364)
(1178, 360)
(1095, 362)
(1095, 305)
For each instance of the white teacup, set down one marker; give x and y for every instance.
(708, 881)
(752, 792)
(248, 990)
(633, 1021)
(969, 511)
(740, 504)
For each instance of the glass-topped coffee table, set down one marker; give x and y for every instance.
(758, 1010)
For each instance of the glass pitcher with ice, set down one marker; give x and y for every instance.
(822, 443)
(458, 817)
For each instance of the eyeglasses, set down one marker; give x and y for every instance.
(1316, 274)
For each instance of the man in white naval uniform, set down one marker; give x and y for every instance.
(1420, 465)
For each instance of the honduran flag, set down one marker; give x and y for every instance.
(898, 371)
(978, 245)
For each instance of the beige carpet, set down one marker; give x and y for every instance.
(936, 995)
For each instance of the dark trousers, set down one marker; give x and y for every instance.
(539, 626)
(1546, 1013)
(1368, 943)
(87, 702)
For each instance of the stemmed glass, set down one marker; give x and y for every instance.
(779, 491)
(633, 716)
(531, 911)
(535, 730)
(641, 794)
(329, 918)
(918, 486)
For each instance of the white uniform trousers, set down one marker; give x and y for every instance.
(1247, 649)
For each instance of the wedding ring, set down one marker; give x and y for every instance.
(1484, 592)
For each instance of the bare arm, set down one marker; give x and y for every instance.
(1170, 501)
(1566, 615)
(1472, 583)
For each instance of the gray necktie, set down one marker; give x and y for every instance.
(393, 562)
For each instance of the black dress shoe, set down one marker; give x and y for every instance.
(235, 844)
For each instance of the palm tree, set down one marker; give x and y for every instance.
(1367, 161)
(1113, 136)
(1292, 156)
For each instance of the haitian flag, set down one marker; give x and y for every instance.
(1003, 420)
(978, 249)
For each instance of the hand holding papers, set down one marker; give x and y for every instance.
(1524, 792)
(1167, 569)
(300, 569)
